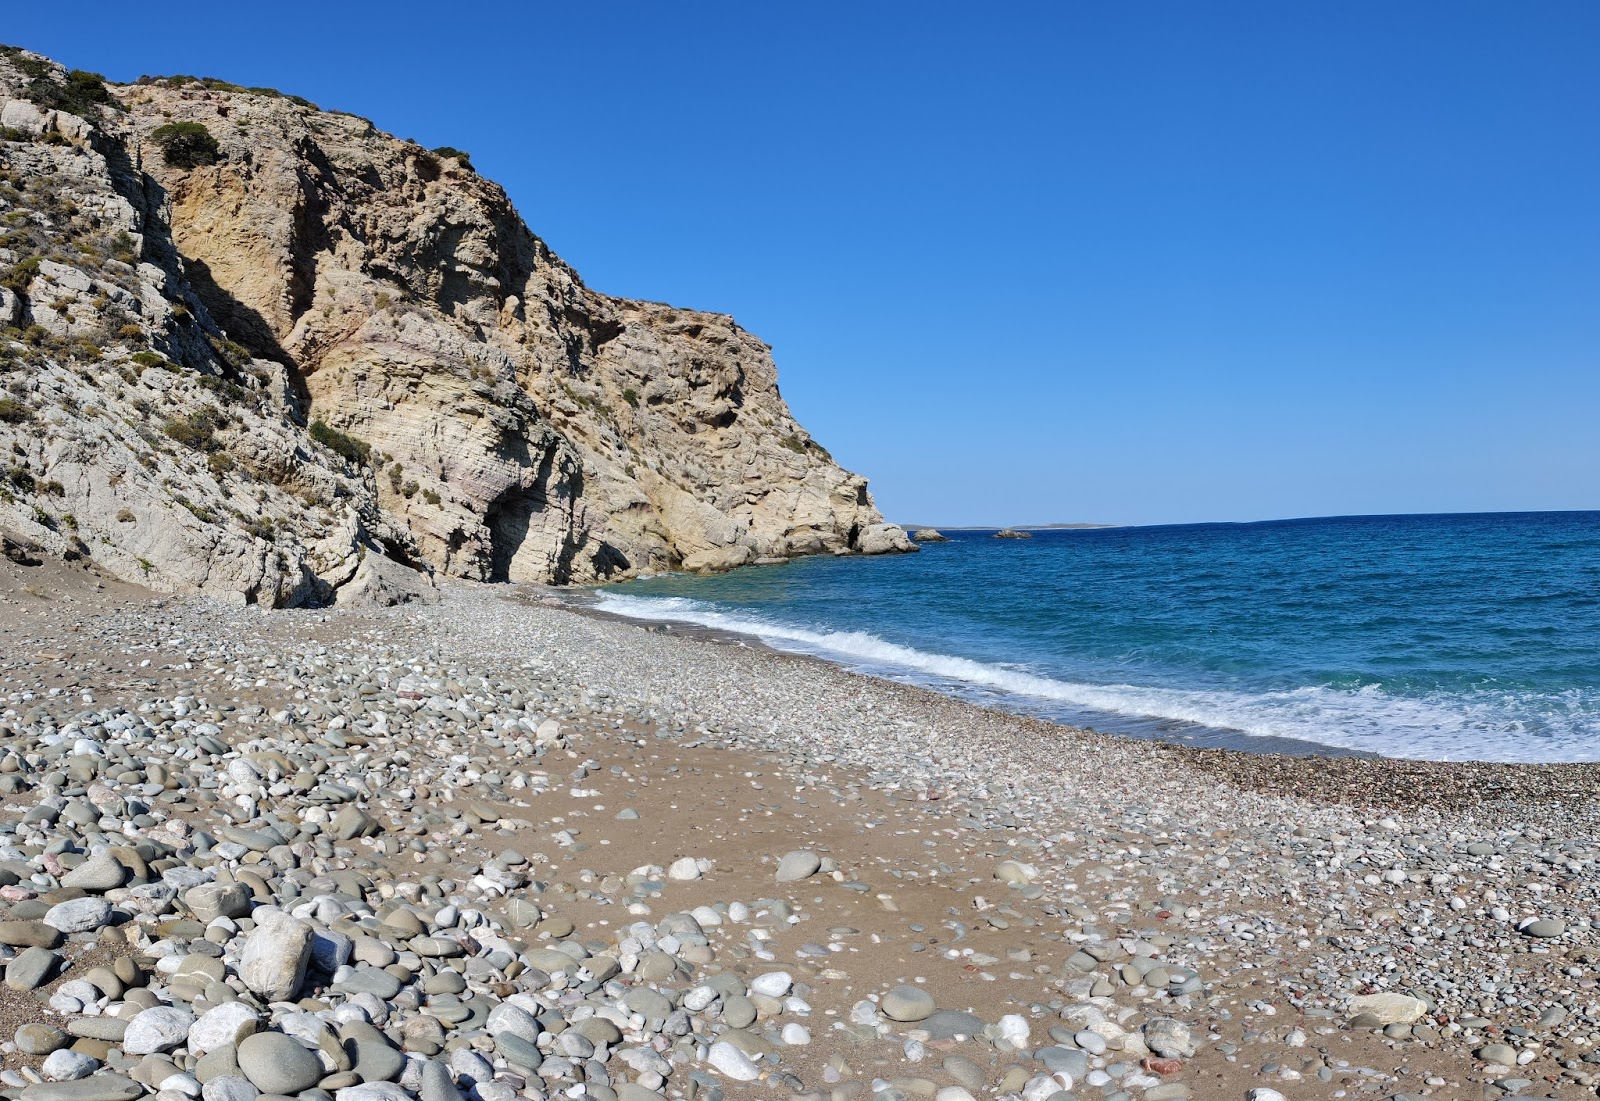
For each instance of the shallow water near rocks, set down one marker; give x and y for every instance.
(1443, 637)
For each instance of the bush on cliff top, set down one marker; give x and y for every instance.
(82, 94)
(459, 154)
(186, 144)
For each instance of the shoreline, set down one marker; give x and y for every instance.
(1216, 918)
(1203, 737)
(1560, 779)
(1309, 770)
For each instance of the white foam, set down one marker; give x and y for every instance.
(1484, 726)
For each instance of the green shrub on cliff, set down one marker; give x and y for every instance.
(197, 430)
(458, 154)
(186, 144)
(83, 93)
(342, 443)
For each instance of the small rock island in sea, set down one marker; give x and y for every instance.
(296, 805)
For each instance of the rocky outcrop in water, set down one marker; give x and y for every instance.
(253, 348)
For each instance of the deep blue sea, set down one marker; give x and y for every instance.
(1447, 637)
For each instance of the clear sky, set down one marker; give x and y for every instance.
(1022, 263)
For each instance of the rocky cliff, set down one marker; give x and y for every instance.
(269, 352)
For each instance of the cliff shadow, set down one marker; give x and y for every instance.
(242, 324)
(510, 520)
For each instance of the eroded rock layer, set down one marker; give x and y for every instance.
(297, 355)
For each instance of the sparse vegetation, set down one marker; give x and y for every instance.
(124, 248)
(340, 443)
(459, 155)
(199, 512)
(213, 84)
(234, 355)
(13, 411)
(631, 396)
(186, 144)
(82, 93)
(261, 528)
(20, 275)
(197, 430)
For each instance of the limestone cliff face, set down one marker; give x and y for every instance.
(520, 426)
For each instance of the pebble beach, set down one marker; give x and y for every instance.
(500, 848)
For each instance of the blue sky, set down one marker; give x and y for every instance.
(1023, 263)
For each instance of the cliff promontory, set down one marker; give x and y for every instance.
(268, 352)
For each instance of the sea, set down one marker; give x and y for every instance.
(1444, 637)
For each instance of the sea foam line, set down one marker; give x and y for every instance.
(1365, 719)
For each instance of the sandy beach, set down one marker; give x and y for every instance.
(535, 851)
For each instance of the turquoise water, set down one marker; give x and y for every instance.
(1446, 637)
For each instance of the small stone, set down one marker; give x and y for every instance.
(1263, 1093)
(730, 1062)
(209, 901)
(273, 962)
(31, 969)
(376, 1061)
(370, 980)
(907, 1004)
(517, 1021)
(1015, 873)
(1168, 1038)
(38, 1039)
(798, 865)
(1502, 1054)
(160, 1028)
(67, 1066)
(229, 1087)
(276, 1063)
(1387, 1009)
(514, 1049)
(684, 869)
(352, 822)
(222, 1026)
(96, 1087)
(101, 872)
(29, 934)
(437, 1084)
(947, 1024)
(774, 984)
(79, 915)
(738, 1011)
(1167, 1091)
(1064, 1060)
(1544, 928)
(388, 1091)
